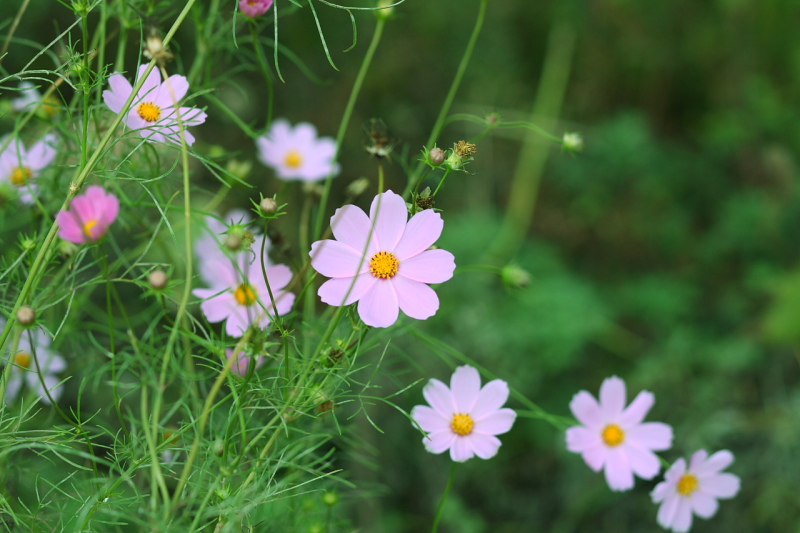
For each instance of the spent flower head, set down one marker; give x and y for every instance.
(465, 417)
(461, 155)
(89, 216)
(386, 269)
(296, 153)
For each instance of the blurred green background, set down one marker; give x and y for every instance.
(666, 253)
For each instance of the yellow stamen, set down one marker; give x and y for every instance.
(293, 159)
(384, 265)
(22, 359)
(149, 111)
(244, 294)
(88, 227)
(687, 484)
(613, 435)
(462, 424)
(20, 176)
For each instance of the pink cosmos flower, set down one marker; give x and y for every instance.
(464, 418)
(613, 436)
(694, 490)
(243, 362)
(210, 245)
(153, 109)
(296, 153)
(20, 167)
(238, 292)
(254, 8)
(89, 216)
(24, 370)
(396, 268)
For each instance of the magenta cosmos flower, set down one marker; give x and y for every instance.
(694, 490)
(238, 291)
(296, 153)
(254, 8)
(613, 436)
(153, 109)
(89, 216)
(394, 273)
(464, 418)
(20, 167)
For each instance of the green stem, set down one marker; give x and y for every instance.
(440, 509)
(265, 71)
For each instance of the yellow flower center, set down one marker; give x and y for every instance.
(687, 484)
(384, 265)
(613, 435)
(244, 294)
(88, 227)
(149, 111)
(20, 176)
(22, 359)
(462, 424)
(293, 159)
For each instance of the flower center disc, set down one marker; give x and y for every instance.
(149, 111)
(687, 484)
(293, 159)
(613, 435)
(244, 294)
(22, 359)
(462, 424)
(384, 265)
(20, 176)
(88, 227)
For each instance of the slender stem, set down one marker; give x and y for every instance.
(262, 63)
(13, 29)
(440, 509)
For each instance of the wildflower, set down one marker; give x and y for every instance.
(387, 269)
(694, 490)
(153, 109)
(29, 95)
(461, 155)
(613, 436)
(296, 153)
(209, 247)
(89, 216)
(21, 167)
(24, 368)
(465, 417)
(254, 8)
(243, 362)
(238, 292)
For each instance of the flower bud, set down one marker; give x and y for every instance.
(515, 277)
(572, 142)
(240, 169)
(268, 206)
(158, 279)
(26, 315)
(330, 498)
(436, 156)
(358, 187)
(233, 242)
(385, 9)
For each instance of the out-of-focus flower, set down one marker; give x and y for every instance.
(243, 362)
(465, 417)
(29, 95)
(387, 269)
(209, 247)
(153, 110)
(694, 490)
(613, 436)
(24, 367)
(296, 153)
(89, 216)
(20, 167)
(254, 8)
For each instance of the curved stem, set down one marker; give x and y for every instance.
(440, 509)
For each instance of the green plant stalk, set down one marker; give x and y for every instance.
(532, 159)
(87, 87)
(262, 63)
(440, 509)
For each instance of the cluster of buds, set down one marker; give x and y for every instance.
(239, 237)
(454, 159)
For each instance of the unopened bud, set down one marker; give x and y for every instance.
(218, 447)
(158, 279)
(358, 187)
(330, 498)
(268, 206)
(26, 315)
(233, 242)
(436, 156)
(572, 142)
(515, 277)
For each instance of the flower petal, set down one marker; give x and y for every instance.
(439, 441)
(682, 521)
(650, 435)
(69, 228)
(120, 91)
(438, 396)
(428, 419)
(351, 226)
(716, 463)
(416, 299)
(343, 291)
(704, 505)
(668, 510)
(389, 214)
(585, 408)
(644, 463)
(172, 91)
(420, 233)
(497, 423)
(612, 398)
(149, 90)
(484, 446)
(431, 266)
(580, 439)
(465, 386)
(721, 485)
(637, 410)
(619, 474)
(491, 398)
(334, 259)
(461, 451)
(378, 306)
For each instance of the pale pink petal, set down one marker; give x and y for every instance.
(661, 491)
(52, 384)
(284, 301)
(644, 463)
(704, 505)
(637, 410)
(120, 92)
(190, 116)
(651, 435)
(416, 299)
(580, 439)
(421, 232)
(428, 419)
(215, 308)
(279, 276)
(432, 266)
(334, 259)
(305, 135)
(84, 209)
(716, 463)
(378, 306)
(69, 228)
(389, 214)
(51, 363)
(668, 511)
(351, 226)
(461, 451)
(14, 385)
(497, 423)
(342, 291)
(721, 485)
(465, 386)
(697, 459)
(149, 90)
(586, 409)
(439, 441)
(42, 153)
(491, 398)
(484, 446)
(438, 396)
(612, 398)
(619, 474)
(595, 457)
(172, 91)
(237, 323)
(682, 521)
